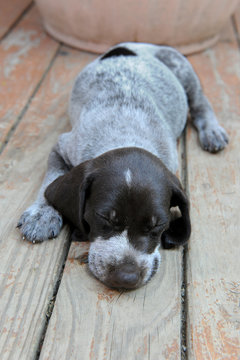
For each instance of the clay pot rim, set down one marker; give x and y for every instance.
(98, 48)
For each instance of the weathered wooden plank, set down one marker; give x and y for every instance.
(10, 12)
(214, 184)
(25, 55)
(90, 321)
(28, 273)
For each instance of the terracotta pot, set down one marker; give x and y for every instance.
(189, 25)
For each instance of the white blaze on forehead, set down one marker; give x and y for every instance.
(128, 176)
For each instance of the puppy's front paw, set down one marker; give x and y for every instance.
(213, 139)
(39, 223)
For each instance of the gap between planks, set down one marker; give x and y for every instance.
(30, 99)
(51, 303)
(236, 30)
(213, 261)
(29, 145)
(25, 108)
(12, 22)
(25, 55)
(184, 304)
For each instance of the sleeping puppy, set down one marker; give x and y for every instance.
(112, 176)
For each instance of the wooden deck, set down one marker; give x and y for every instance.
(50, 307)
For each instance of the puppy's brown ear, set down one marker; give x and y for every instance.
(68, 194)
(179, 229)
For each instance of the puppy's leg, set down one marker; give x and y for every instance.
(212, 136)
(41, 221)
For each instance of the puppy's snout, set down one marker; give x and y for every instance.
(125, 276)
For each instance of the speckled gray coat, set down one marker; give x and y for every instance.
(126, 101)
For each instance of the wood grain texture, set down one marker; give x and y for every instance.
(10, 12)
(90, 321)
(28, 273)
(214, 185)
(25, 55)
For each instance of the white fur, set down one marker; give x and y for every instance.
(104, 252)
(128, 177)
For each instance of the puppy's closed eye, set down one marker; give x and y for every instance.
(110, 220)
(111, 217)
(102, 216)
(156, 229)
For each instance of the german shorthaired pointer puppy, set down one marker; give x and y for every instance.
(112, 176)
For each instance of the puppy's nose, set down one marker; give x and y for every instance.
(125, 276)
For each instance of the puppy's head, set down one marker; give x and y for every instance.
(121, 202)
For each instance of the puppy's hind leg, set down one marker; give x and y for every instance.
(41, 221)
(212, 136)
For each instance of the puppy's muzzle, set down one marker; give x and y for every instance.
(125, 276)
